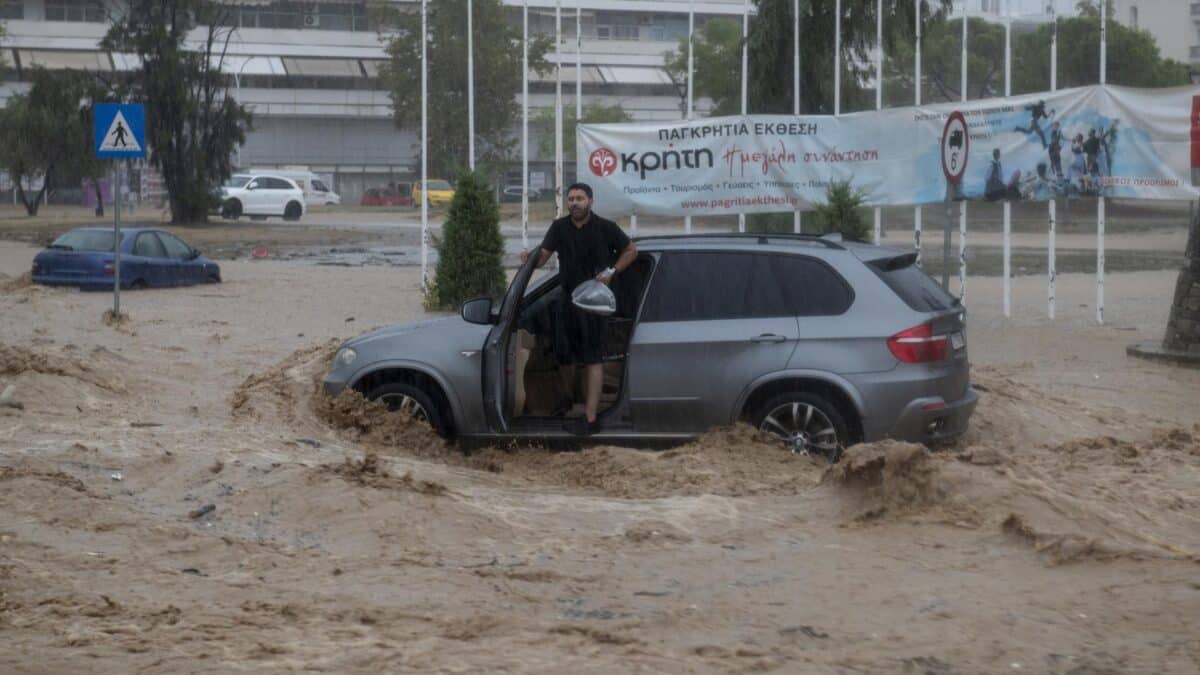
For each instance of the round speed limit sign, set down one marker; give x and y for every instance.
(956, 143)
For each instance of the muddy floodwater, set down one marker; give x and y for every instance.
(176, 496)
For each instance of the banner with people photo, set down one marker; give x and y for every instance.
(1089, 141)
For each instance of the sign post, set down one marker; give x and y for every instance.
(119, 130)
(956, 146)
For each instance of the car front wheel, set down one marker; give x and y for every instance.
(231, 210)
(406, 398)
(806, 422)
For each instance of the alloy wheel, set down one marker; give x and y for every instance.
(404, 403)
(803, 426)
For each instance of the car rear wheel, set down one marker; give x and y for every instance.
(231, 210)
(807, 423)
(406, 398)
(292, 211)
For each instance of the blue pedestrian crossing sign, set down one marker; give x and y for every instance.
(120, 130)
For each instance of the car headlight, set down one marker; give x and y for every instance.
(345, 357)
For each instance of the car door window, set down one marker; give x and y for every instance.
(176, 249)
(148, 245)
(709, 286)
(319, 186)
(811, 287)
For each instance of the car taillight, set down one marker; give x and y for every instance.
(918, 345)
(35, 267)
(108, 268)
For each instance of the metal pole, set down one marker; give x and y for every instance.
(470, 86)
(424, 145)
(578, 65)
(1100, 201)
(917, 102)
(878, 95)
(1007, 204)
(525, 127)
(797, 226)
(687, 220)
(837, 57)
(116, 190)
(1051, 270)
(558, 104)
(962, 205)
(745, 69)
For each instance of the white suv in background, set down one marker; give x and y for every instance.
(260, 196)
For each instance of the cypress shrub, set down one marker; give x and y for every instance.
(471, 248)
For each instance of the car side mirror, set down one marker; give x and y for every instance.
(478, 311)
(195, 254)
(252, 186)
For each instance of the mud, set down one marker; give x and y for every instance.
(170, 502)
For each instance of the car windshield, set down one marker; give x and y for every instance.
(237, 181)
(85, 240)
(439, 185)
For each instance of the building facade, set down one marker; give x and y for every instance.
(309, 71)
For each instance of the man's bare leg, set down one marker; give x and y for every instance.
(595, 383)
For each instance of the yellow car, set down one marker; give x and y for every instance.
(440, 192)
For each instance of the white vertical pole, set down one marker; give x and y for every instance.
(962, 205)
(578, 64)
(1051, 269)
(1100, 201)
(525, 127)
(837, 57)
(116, 197)
(558, 109)
(878, 94)
(745, 70)
(1050, 262)
(424, 146)
(796, 225)
(633, 223)
(470, 86)
(1007, 204)
(1103, 42)
(917, 102)
(687, 220)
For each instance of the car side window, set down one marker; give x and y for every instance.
(149, 246)
(319, 186)
(710, 286)
(811, 287)
(176, 249)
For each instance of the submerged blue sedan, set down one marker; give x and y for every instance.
(83, 257)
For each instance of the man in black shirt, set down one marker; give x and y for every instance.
(588, 247)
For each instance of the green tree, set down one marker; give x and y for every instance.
(770, 51)
(941, 61)
(471, 250)
(593, 113)
(45, 133)
(193, 124)
(1134, 59)
(498, 49)
(841, 213)
(717, 56)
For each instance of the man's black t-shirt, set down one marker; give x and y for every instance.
(586, 251)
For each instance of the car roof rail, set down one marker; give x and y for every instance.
(760, 238)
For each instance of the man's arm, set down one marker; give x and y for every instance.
(628, 255)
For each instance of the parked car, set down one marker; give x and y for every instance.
(399, 195)
(440, 192)
(149, 258)
(818, 342)
(314, 187)
(260, 196)
(512, 193)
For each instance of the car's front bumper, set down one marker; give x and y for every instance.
(933, 419)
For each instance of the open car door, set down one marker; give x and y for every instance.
(495, 349)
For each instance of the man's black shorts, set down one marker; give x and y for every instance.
(579, 335)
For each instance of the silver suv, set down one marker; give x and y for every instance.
(819, 342)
